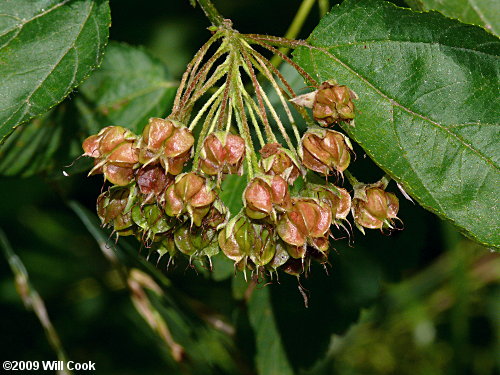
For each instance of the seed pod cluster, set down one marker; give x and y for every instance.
(166, 185)
(150, 198)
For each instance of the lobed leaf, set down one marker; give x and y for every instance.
(428, 106)
(47, 48)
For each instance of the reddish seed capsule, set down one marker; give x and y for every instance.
(374, 208)
(279, 161)
(333, 103)
(166, 142)
(189, 194)
(222, 153)
(115, 154)
(305, 222)
(152, 181)
(330, 103)
(338, 199)
(325, 151)
(265, 194)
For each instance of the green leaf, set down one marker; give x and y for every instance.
(271, 357)
(49, 141)
(130, 87)
(484, 13)
(20, 154)
(46, 145)
(428, 105)
(47, 48)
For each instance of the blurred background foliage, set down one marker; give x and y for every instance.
(422, 301)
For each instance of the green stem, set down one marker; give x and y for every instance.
(211, 12)
(295, 27)
(248, 68)
(192, 64)
(206, 106)
(205, 129)
(352, 180)
(263, 69)
(250, 155)
(324, 5)
(385, 180)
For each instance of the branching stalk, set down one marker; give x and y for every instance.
(211, 12)
(205, 129)
(278, 90)
(198, 57)
(295, 27)
(205, 107)
(249, 153)
(261, 40)
(247, 66)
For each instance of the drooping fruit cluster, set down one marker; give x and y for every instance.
(167, 184)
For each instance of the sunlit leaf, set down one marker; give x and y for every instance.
(47, 48)
(428, 106)
(484, 13)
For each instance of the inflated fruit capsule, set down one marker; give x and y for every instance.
(112, 209)
(277, 160)
(265, 246)
(222, 153)
(167, 142)
(337, 198)
(280, 256)
(115, 154)
(195, 241)
(111, 204)
(330, 103)
(238, 238)
(265, 194)
(333, 103)
(306, 220)
(190, 194)
(152, 181)
(325, 151)
(294, 267)
(374, 208)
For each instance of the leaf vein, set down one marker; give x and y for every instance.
(413, 113)
(22, 24)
